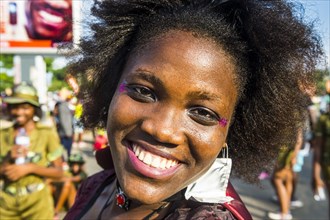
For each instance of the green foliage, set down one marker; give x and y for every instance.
(6, 64)
(320, 77)
(7, 61)
(49, 63)
(6, 81)
(58, 79)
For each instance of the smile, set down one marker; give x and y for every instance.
(152, 159)
(151, 165)
(50, 17)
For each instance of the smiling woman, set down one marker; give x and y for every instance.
(175, 83)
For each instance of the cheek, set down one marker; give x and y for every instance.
(122, 113)
(208, 143)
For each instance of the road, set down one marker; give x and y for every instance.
(257, 198)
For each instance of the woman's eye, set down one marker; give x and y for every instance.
(141, 93)
(203, 116)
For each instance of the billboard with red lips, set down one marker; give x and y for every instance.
(36, 26)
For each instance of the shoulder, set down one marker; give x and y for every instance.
(44, 126)
(92, 183)
(5, 125)
(89, 188)
(202, 211)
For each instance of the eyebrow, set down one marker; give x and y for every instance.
(201, 95)
(142, 74)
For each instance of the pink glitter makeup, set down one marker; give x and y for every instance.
(122, 87)
(223, 122)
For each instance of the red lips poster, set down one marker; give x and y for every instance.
(27, 25)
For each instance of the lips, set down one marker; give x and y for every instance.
(151, 165)
(51, 15)
(152, 159)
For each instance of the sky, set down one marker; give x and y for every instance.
(320, 10)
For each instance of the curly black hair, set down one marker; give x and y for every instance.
(274, 49)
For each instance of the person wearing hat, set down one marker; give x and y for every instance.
(70, 183)
(30, 153)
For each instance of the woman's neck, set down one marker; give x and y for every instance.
(136, 209)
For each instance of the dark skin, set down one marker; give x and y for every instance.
(177, 128)
(23, 114)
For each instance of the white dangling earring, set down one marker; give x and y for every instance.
(226, 164)
(225, 156)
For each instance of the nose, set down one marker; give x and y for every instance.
(165, 125)
(17, 110)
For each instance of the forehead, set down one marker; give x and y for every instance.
(202, 51)
(185, 58)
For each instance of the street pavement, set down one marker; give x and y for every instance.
(257, 198)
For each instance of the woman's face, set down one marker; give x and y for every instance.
(165, 122)
(22, 113)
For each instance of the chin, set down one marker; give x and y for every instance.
(149, 195)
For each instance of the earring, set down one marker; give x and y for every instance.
(225, 151)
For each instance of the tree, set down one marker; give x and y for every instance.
(320, 79)
(58, 79)
(6, 64)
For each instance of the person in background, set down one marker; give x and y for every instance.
(30, 153)
(78, 127)
(70, 183)
(64, 120)
(321, 160)
(283, 177)
(303, 152)
(177, 84)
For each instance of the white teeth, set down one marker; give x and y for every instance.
(136, 150)
(174, 163)
(156, 162)
(141, 155)
(163, 163)
(168, 163)
(151, 159)
(147, 158)
(51, 18)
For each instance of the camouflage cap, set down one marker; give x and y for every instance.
(23, 93)
(76, 158)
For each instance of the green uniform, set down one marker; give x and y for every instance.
(29, 197)
(323, 130)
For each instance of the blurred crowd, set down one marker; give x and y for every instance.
(41, 162)
(312, 136)
(48, 139)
